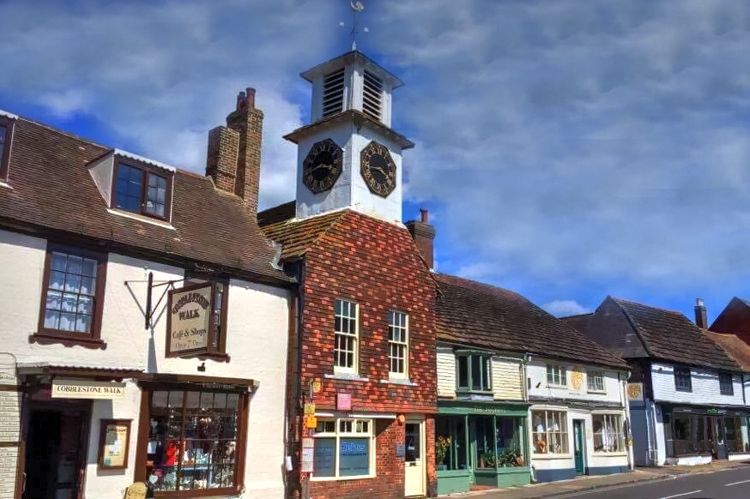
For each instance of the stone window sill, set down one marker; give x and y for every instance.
(68, 340)
(346, 377)
(398, 381)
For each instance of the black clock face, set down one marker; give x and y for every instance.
(378, 169)
(322, 166)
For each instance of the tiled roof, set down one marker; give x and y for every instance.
(477, 314)
(734, 346)
(51, 188)
(671, 336)
(297, 236)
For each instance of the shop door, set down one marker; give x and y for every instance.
(579, 446)
(414, 468)
(55, 454)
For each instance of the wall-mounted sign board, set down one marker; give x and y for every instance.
(189, 330)
(63, 388)
(114, 439)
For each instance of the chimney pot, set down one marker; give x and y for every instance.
(250, 99)
(241, 101)
(424, 214)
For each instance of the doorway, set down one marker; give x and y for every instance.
(579, 446)
(414, 468)
(56, 452)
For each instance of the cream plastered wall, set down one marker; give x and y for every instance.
(256, 340)
(576, 387)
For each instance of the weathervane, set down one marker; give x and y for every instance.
(357, 7)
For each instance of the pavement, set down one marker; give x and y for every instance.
(690, 482)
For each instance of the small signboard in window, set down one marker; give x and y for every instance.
(189, 330)
(114, 436)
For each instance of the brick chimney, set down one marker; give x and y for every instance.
(234, 151)
(424, 235)
(701, 315)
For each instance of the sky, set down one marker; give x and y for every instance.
(567, 150)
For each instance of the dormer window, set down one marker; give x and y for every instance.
(140, 190)
(372, 95)
(333, 93)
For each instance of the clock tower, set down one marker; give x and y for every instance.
(349, 156)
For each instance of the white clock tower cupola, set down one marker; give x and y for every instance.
(349, 156)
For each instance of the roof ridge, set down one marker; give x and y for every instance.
(480, 283)
(623, 300)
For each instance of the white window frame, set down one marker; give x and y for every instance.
(337, 434)
(562, 431)
(401, 326)
(557, 376)
(351, 336)
(615, 420)
(591, 379)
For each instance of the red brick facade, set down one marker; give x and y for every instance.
(377, 265)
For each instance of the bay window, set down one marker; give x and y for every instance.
(194, 441)
(474, 372)
(344, 448)
(550, 432)
(608, 433)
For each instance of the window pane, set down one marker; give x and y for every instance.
(51, 319)
(324, 457)
(59, 261)
(476, 373)
(89, 267)
(354, 456)
(463, 371)
(72, 282)
(69, 302)
(56, 280)
(129, 186)
(83, 324)
(54, 300)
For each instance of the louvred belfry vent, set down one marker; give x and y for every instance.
(333, 93)
(372, 96)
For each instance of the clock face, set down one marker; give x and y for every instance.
(378, 169)
(322, 166)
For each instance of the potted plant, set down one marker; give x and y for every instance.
(442, 444)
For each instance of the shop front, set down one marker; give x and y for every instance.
(700, 434)
(481, 443)
(192, 434)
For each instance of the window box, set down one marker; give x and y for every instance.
(72, 297)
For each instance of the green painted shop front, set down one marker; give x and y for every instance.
(481, 443)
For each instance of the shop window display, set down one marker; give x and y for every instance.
(192, 442)
(550, 433)
(608, 434)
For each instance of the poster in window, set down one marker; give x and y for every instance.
(324, 457)
(114, 436)
(354, 456)
(189, 320)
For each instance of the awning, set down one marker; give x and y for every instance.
(77, 371)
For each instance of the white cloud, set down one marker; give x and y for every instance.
(564, 308)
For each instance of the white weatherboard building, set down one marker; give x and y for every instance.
(687, 395)
(145, 331)
(522, 396)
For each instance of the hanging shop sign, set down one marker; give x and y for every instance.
(308, 455)
(86, 389)
(189, 330)
(114, 437)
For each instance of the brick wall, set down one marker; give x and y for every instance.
(377, 265)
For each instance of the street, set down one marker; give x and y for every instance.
(727, 484)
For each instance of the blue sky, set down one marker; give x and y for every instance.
(566, 149)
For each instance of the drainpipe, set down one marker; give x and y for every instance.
(527, 437)
(626, 405)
